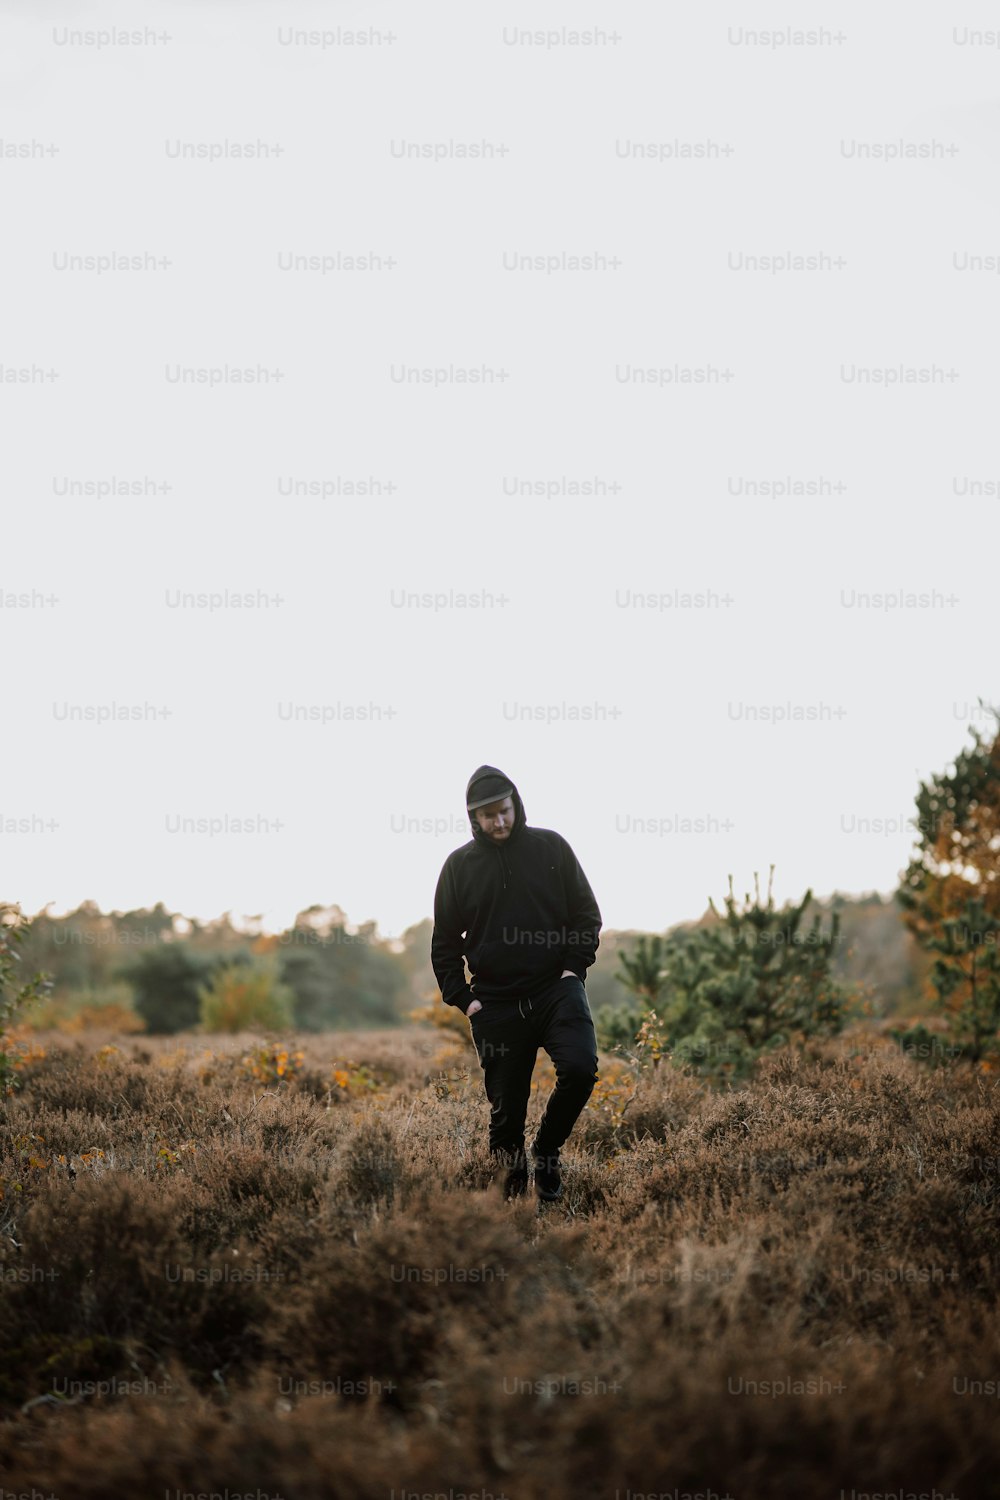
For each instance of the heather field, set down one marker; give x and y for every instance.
(282, 1269)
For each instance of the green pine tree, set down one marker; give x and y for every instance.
(719, 995)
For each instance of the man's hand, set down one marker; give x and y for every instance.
(568, 974)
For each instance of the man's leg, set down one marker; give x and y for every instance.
(507, 1056)
(566, 1031)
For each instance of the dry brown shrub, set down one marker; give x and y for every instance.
(326, 1294)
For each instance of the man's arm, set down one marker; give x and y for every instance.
(583, 919)
(447, 951)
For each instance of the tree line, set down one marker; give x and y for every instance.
(715, 993)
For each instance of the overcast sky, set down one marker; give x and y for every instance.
(687, 672)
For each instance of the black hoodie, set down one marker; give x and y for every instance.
(520, 911)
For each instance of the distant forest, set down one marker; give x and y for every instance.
(146, 968)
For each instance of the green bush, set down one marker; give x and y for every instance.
(926, 1046)
(165, 980)
(246, 996)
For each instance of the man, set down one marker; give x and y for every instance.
(515, 903)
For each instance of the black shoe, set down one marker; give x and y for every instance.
(548, 1179)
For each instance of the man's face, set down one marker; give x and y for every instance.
(496, 819)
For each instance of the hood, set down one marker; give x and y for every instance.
(519, 818)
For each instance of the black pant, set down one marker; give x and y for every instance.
(508, 1034)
